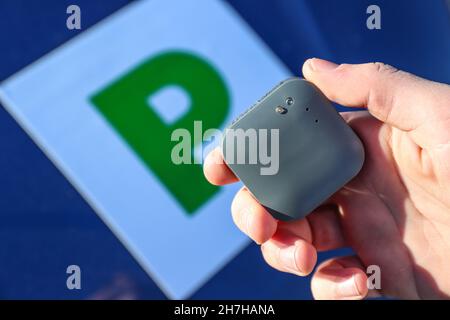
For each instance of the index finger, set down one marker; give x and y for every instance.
(216, 170)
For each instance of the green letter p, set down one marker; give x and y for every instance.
(125, 104)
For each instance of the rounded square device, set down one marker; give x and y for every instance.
(292, 149)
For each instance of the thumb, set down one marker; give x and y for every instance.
(393, 96)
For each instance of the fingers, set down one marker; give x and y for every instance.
(251, 217)
(294, 246)
(395, 97)
(340, 278)
(254, 220)
(321, 228)
(289, 253)
(288, 246)
(215, 169)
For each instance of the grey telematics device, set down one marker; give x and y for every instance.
(292, 149)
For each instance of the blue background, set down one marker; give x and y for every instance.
(45, 225)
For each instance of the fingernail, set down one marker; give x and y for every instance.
(287, 258)
(348, 288)
(321, 65)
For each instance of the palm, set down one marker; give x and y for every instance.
(392, 217)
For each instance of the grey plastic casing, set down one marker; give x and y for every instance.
(318, 152)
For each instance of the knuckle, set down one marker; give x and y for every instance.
(381, 67)
(382, 96)
(343, 67)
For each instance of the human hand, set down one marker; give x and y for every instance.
(394, 214)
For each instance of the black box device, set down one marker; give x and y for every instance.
(292, 149)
